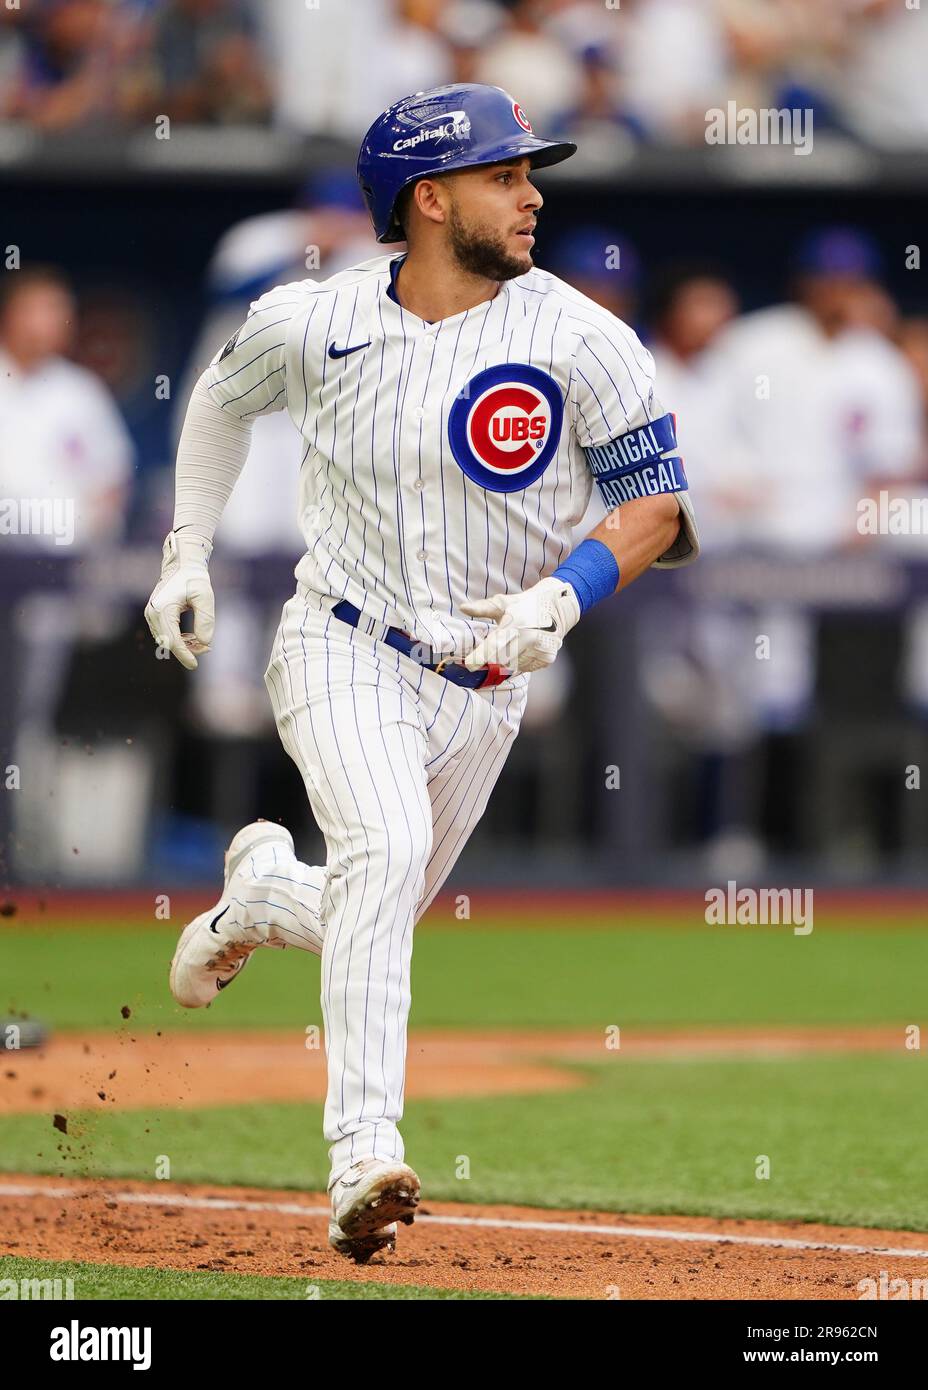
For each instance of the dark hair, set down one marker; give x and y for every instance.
(402, 204)
(671, 280)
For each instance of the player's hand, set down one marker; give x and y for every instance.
(184, 583)
(530, 626)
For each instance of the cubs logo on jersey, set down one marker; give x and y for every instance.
(505, 425)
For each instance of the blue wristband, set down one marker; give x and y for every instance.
(592, 570)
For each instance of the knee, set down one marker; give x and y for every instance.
(403, 851)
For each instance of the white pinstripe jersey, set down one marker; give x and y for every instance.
(442, 462)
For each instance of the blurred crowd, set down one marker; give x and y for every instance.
(646, 69)
(788, 416)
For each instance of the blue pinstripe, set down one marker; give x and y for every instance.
(424, 736)
(405, 735)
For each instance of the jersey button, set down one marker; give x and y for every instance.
(419, 413)
(422, 554)
(418, 485)
(429, 340)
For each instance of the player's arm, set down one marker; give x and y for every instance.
(630, 445)
(245, 379)
(645, 530)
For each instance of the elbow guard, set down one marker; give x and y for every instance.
(685, 548)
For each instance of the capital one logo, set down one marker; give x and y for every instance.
(454, 125)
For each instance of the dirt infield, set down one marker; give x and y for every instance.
(581, 1254)
(91, 1071)
(576, 1254)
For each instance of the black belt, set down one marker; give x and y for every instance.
(401, 641)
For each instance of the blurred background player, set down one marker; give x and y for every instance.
(61, 437)
(804, 408)
(65, 457)
(824, 405)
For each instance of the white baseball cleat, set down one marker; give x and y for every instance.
(215, 946)
(367, 1202)
(362, 1248)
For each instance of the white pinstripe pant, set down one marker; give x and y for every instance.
(398, 764)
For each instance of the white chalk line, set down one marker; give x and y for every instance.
(581, 1228)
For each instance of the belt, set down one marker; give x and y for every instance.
(401, 641)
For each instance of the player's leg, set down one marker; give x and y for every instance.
(275, 899)
(280, 889)
(470, 735)
(268, 898)
(464, 762)
(349, 715)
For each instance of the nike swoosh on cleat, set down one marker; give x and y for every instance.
(212, 925)
(343, 352)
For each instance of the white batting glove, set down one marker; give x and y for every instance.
(530, 626)
(184, 583)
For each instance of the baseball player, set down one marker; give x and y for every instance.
(456, 405)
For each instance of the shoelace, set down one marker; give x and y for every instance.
(229, 956)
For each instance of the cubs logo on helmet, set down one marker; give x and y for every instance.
(521, 117)
(505, 426)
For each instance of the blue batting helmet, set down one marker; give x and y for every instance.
(455, 127)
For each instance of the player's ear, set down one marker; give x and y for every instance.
(431, 198)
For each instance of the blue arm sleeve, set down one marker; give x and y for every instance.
(592, 570)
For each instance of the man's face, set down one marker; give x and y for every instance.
(38, 322)
(837, 300)
(491, 215)
(699, 313)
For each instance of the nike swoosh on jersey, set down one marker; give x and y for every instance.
(343, 352)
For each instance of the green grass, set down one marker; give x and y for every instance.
(93, 1281)
(846, 1138)
(846, 1135)
(489, 975)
